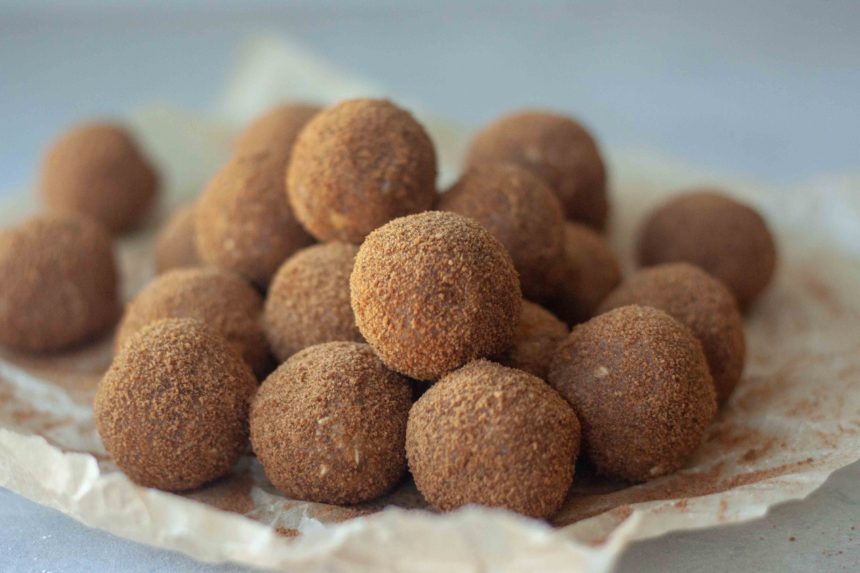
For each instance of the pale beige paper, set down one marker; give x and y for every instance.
(793, 421)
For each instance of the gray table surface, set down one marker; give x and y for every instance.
(766, 89)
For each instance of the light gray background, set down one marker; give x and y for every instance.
(765, 89)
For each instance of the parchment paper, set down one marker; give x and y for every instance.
(794, 419)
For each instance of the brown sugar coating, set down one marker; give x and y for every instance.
(329, 425)
(536, 340)
(244, 222)
(520, 210)
(221, 299)
(557, 149)
(358, 165)
(640, 385)
(175, 247)
(275, 131)
(172, 409)
(586, 272)
(58, 282)
(433, 291)
(97, 169)
(494, 436)
(308, 300)
(701, 303)
(726, 238)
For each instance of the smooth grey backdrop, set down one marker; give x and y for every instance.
(766, 88)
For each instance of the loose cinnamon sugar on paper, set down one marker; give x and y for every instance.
(230, 493)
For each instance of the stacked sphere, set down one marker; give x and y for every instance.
(397, 300)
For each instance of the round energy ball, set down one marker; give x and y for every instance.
(358, 165)
(433, 291)
(701, 303)
(244, 222)
(308, 300)
(58, 282)
(558, 150)
(494, 436)
(584, 274)
(175, 247)
(222, 300)
(275, 131)
(640, 385)
(537, 337)
(98, 170)
(726, 238)
(172, 409)
(329, 425)
(520, 210)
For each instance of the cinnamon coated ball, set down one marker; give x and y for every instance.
(172, 409)
(434, 291)
(701, 303)
(308, 300)
(538, 335)
(222, 300)
(358, 165)
(175, 247)
(585, 273)
(520, 210)
(244, 222)
(494, 436)
(275, 131)
(329, 425)
(639, 382)
(58, 282)
(725, 237)
(98, 170)
(557, 149)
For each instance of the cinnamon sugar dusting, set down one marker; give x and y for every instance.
(685, 485)
(230, 493)
(794, 398)
(739, 450)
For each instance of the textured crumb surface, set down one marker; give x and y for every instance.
(557, 149)
(175, 246)
(585, 273)
(58, 282)
(329, 425)
(308, 300)
(520, 210)
(700, 302)
(172, 409)
(535, 341)
(98, 170)
(801, 374)
(787, 426)
(275, 131)
(640, 385)
(223, 300)
(709, 229)
(433, 291)
(358, 165)
(495, 436)
(244, 222)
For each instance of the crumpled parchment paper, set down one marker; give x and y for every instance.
(794, 419)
